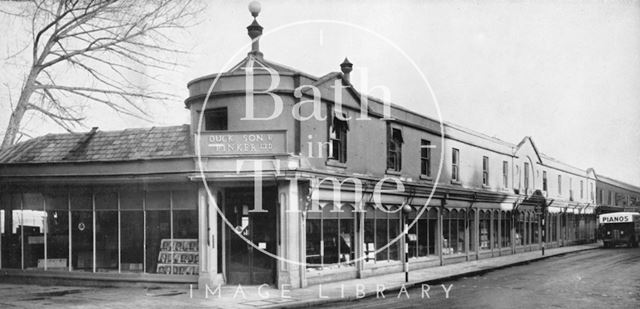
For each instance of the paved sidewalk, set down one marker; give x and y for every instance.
(32, 296)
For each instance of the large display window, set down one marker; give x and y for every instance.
(331, 236)
(422, 235)
(100, 229)
(453, 232)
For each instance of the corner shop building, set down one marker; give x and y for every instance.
(132, 205)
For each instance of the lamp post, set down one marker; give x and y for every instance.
(406, 209)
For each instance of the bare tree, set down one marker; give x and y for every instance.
(94, 51)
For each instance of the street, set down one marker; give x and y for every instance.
(597, 278)
(602, 278)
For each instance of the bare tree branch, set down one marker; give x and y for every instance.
(108, 46)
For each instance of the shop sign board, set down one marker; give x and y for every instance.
(242, 142)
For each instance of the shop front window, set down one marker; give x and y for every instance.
(100, 231)
(505, 229)
(81, 231)
(452, 232)
(496, 229)
(330, 236)
(520, 233)
(158, 228)
(57, 207)
(33, 224)
(423, 241)
(485, 230)
(471, 227)
(554, 227)
(132, 231)
(106, 231)
(381, 227)
(535, 234)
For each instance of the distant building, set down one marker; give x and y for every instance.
(132, 205)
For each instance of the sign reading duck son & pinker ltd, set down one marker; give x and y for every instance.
(242, 142)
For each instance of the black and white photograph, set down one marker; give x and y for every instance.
(319, 154)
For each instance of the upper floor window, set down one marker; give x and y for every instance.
(581, 189)
(338, 138)
(559, 184)
(610, 198)
(215, 119)
(600, 196)
(425, 158)
(544, 180)
(505, 174)
(455, 164)
(570, 189)
(394, 149)
(485, 170)
(526, 177)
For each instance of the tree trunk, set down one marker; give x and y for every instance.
(13, 128)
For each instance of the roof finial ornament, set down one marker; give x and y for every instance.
(255, 30)
(346, 67)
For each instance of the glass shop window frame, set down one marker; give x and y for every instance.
(329, 212)
(87, 195)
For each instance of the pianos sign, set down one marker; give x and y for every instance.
(619, 217)
(242, 143)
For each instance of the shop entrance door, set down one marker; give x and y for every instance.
(246, 264)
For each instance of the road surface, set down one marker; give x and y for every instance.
(601, 278)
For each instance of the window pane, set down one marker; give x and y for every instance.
(446, 233)
(33, 222)
(132, 226)
(57, 239)
(423, 236)
(107, 240)
(461, 234)
(394, 231)
(185, 224)
(330, 240)
(347, 239)
(472, 231)
(158, 228)
(185, 199)
(453, 231)
(313, 242)
(485, 229)
(81, 200)
(381, 236)
(496, 231)
(215, 119)
(106, 200)
(157, 200)
(506, 230)
(131, 200)
(82, 240)
(11, 218)
(369, 234)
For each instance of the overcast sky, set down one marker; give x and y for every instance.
(566, 73)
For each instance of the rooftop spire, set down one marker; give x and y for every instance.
(255, 30)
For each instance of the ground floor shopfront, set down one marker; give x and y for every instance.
(347, 243)
(186, 232)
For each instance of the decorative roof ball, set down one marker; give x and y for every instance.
(254, 8)
(406, 208)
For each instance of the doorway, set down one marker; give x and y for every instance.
(246, 264)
